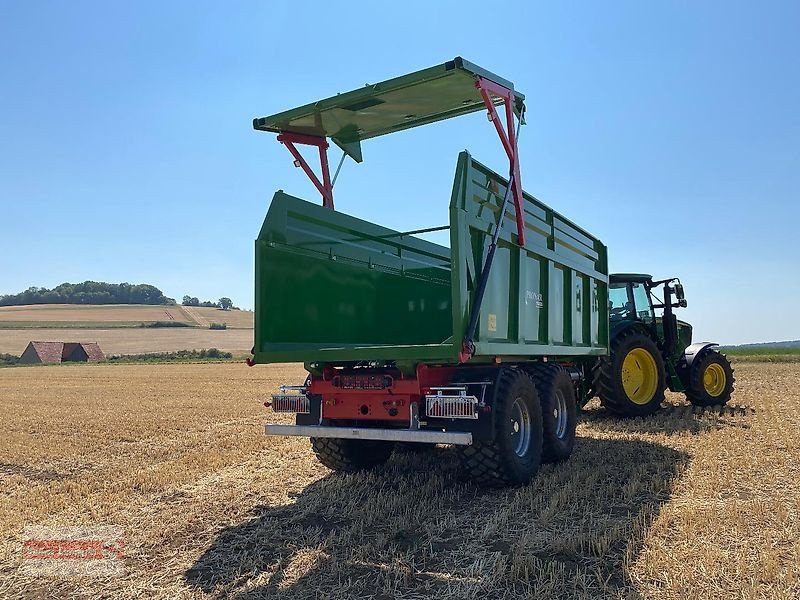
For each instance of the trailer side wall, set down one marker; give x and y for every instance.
(548, 298)
(333, 287)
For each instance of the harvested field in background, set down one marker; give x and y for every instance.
(134, 340)
(95, 313)
(235, 319)
(685, 504)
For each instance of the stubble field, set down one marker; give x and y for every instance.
(77, 315)
(234, 319)
(682, 505)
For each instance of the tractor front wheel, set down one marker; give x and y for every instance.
(631, 381)
(710, 379)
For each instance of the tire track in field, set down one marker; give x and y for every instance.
(195, 316)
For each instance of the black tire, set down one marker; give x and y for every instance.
(514, 456)
(350, 456)
(610, 385)
(711, 379)
(559, 411)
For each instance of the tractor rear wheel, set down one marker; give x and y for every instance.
(559, 411)
(514, 455)
(710, 379)
(631, 381)
(351, 455)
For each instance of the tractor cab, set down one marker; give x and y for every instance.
(628, 297)
(636, 297)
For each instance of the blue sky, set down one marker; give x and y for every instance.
(671, 130)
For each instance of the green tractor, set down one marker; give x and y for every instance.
(650, 353)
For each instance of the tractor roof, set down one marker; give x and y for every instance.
(626, 277)
(426, 96)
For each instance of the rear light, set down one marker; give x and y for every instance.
(362, 382)
(291, 399)
(451, 403)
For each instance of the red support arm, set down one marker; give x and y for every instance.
(508, 137)
(325, 187)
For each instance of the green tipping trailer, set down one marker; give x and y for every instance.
(490, 344)
(334, 288)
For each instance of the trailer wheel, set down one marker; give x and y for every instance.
(351, 455)
(559, 411)
(710, 380)
(513, 457)
(631, 381)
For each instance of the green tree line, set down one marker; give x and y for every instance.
(224, 303)
(89, 292)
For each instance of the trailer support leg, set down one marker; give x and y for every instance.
(488, 89)
(325, 187)
(508, 138)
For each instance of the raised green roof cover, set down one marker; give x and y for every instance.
(433, 94)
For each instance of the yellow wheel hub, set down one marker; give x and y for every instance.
(714, 379)
(639, 376)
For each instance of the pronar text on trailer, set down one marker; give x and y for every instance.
(492, 344)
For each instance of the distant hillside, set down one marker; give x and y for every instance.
(787, 351)
(768, 345)
(125, 328)
(102, 316)
(89, 292)
(233, 319)
(107, 316)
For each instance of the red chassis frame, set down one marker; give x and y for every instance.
(376, 404)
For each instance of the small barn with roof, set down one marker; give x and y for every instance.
(58, 352)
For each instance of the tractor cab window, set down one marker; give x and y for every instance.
(643, 308)
(618, 301)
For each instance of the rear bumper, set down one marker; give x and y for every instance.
(363, 433)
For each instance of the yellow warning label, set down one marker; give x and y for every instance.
(492, 322)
